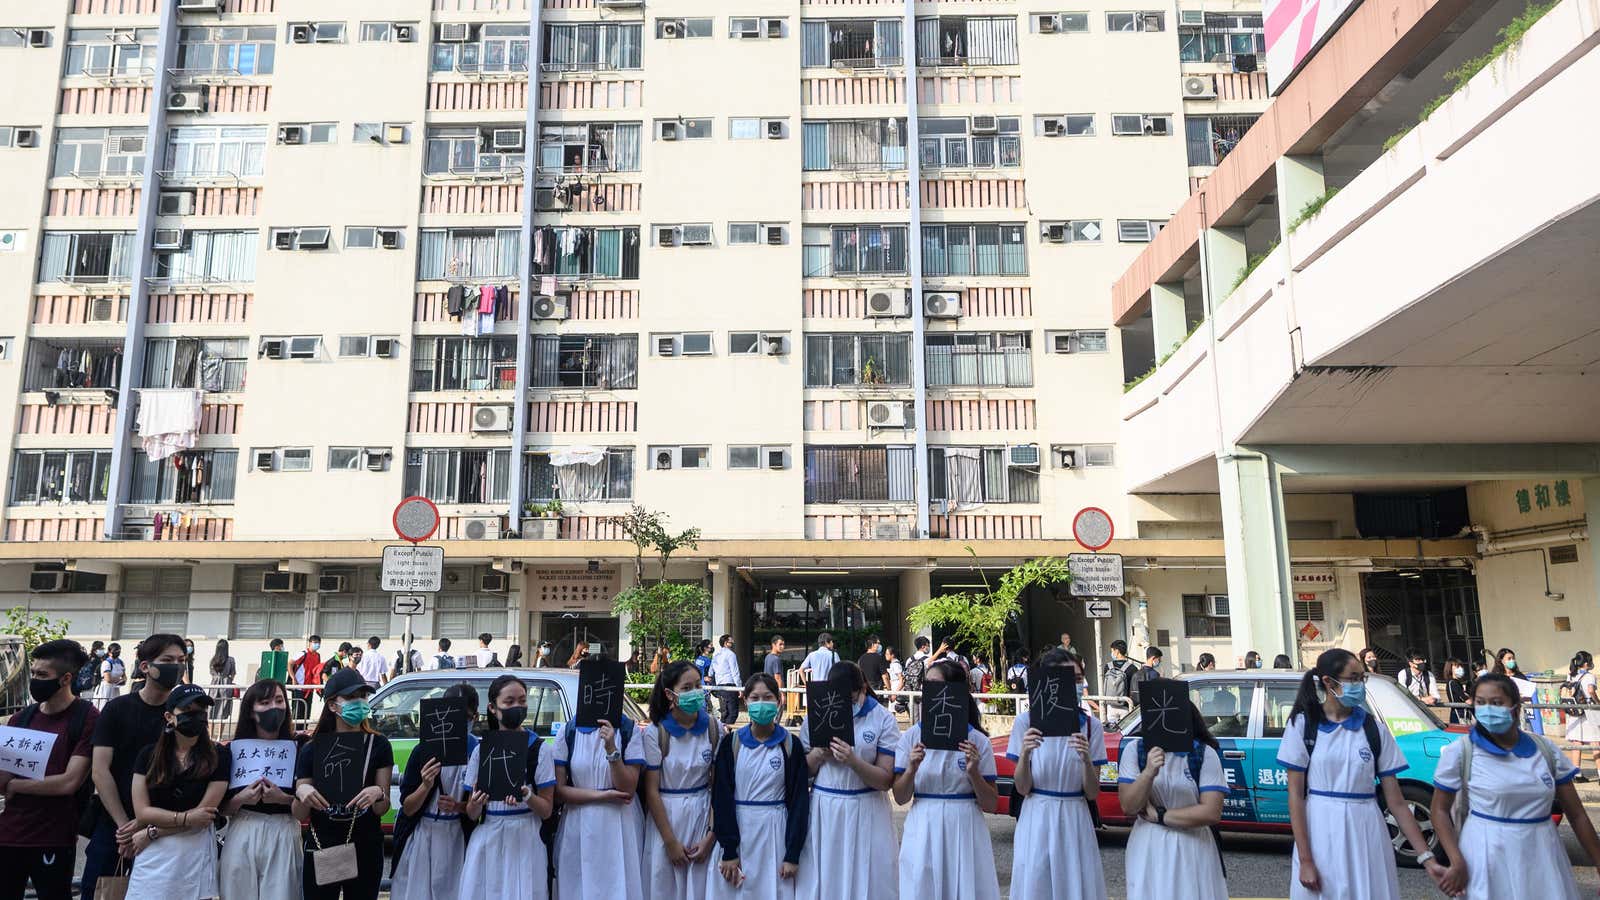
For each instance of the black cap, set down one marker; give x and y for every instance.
(345, 682)
(185, 694)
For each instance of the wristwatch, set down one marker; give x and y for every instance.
(1422, 859)
(613, 756)
(1161, 815)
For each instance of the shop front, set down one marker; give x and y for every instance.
(569, 605)
(799, 608)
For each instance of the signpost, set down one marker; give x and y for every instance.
(413, 568)
(409, 605)
(1094, 575)
(1097, 610)
(1092, 527)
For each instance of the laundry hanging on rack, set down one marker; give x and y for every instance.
(455, 299)
(168, 420)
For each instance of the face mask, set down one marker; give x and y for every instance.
(544, 651)
(268, 721)
(692, 701)
(1351, 695)
(101, 652)
(42, 689)
(316, 646)
(1511, 665)
(1460, 672)
(188, 648)
(166, 674)
(1494, 719)
(512, 716)
(191, 724)
(855, 708)
(763, 712)
(354, 712)
(1256, 664)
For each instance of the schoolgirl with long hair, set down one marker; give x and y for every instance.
(679, 748)
(505, 856)
(429, 840)
(178, 784)
(261, 858)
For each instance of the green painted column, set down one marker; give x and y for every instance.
(1169, 319)
(1257, 546)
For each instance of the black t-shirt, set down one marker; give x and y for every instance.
(184, 791)
(128, 725)
(382, 758)
(873, 667)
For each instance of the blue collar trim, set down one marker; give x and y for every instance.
(868, 706)
(701, 723)
(1524, 748)
(749, 740)
(591, 729)
(1351, 722)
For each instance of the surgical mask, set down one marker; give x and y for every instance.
(544, 651)
(1460, 672)
(692, 701)
(269, 721)
(191, 724)
(1494, 719)
(42, 689)
(100, 652)
(316, 645)
(764, 712)
(354, 712)
(855, 708)
(512, 716)
(188, 648)
(166, 674)
(1511, 664)
(1351, 695)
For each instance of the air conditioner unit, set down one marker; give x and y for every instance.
(1157, 125)
(1199, 87)
(774, 28)
(1192, 18)
(696, 235)
(1217, 605)
(1066, 457)
(1054, 128)
(175, 203)
(282, 583)
(26, 137)
(507, 139)
(496, 417)
(395, 134)
(886, 414)
(494, 582)
(481, 528)
(669, 131)
(1056, 232)
(1151, 22)
(774, 345)
(1049, 24)
(667, 237)
(47, 581)
(774, 234)
(672, 28)
(389, 238)
(385, 348)
(168, 239)
(887, 303)
(314, 238)
(186, 99)
(291, 134)
(302, 34)
(941, 305)
(891, 531)
(777, 459)
(1064, 343)
(272, 348)
(38, 38)
(199, 5)
(330, 584)
(284, 239)
(405, 34)
(378, 460)
(101, 309)
(775, 129)
(666, 458)
(1023, 456)
(985, 124)
(666, 346)
(455, 33)
(1134, 231)
(131, 143)
(550, 309)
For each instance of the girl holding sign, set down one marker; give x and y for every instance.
(178, 783)
(678, 749)
(759, 804)
(945, 851)
(261, 858)
(429, 842)
(506, 857)
(1334, 751)
(1056, 852)
(1175, 798)
(601, 836)
(850, 849)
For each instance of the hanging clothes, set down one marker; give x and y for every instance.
(168, 421)
(210, 372)
(455, 299)
(486, 299)
(502, 302)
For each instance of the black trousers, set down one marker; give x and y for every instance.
(730, 704)
(368, 839)
(49, 868)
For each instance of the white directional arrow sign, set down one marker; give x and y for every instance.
(410, 604)
(1097, 609)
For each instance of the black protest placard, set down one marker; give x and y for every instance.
(1053, 701)
(600, 685)
(338, 766)
(444, 728)
(829, 714)
(945, 706)
(1165, 720)
(503, 764)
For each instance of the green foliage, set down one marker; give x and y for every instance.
(647, 529)
(1164, 357)
(33, 628)
(1396, 138)
(978, 620)
(1250, 266)
(655, 611)
(1312, 207)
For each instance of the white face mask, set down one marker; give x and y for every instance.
(544, 651)
(1460, 672)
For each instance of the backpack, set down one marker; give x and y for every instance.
(915, 667)
(1571, 694)
(1408, 680)
(446, 661)
(1369, 726)
(1460, 809)
(87, 677)
(75, 725)
(1117, 679)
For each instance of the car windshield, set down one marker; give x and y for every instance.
(396, 713)
(1401, 712)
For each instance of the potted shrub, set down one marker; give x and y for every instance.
(541, 521)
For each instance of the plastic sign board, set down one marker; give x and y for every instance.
(1092, 527)
(412, 568)
(411, 605)
(1097, 609)
(1096, 574)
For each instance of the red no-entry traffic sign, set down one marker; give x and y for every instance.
(416, 519)
(1093, 528)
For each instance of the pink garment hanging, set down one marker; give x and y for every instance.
(486, 299)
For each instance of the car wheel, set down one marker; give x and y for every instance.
(1418, 800)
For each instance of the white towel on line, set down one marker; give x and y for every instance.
(169, 420)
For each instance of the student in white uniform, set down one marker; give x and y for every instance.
(1342, 847)
(1505, 663)
(1507, 846)
(1056, 852)
(679, 747)
(1584, 730)
(505, 857)
(945, 850)
(759, 804)
(600, 840)
(429, 843)
(850, 850)
(1175, 798)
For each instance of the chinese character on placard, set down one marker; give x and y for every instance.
(1523, 505)
(1563, 493)
(1541, 496)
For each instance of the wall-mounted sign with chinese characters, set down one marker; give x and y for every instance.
(1313, 579)
(573, 589)
(1543, 496)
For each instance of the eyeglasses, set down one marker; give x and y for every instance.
(1358, 679)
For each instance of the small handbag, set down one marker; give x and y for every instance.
(113, 887)
(337, 863)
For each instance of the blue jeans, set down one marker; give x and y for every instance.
(100, 857)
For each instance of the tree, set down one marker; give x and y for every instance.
(33, 628)
(647, 529)
(979, 620)
(655, 611)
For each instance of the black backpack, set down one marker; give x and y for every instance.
(75, 725)
(87, 677)
(916, 667)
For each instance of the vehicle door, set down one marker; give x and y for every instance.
(1268, 780)
(1226, 705)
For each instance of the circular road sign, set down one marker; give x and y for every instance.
(416, 519)
(1093, 529)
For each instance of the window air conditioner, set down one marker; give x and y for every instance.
(38, 38)
(282, 582)
(774, 234)
(455, 33)
(302, 34)
(314, 238)
(271, 348)
(1199, 87)
(777, 459)
(389, 238)
(774, 344)
(284, 239)
(887, 303)
(101, 309)
(1066, 457)
(507, 139)
(291, 134)
(550, 309)
(1064, 343)
(47, 581)
(1150, 22)
(669, 131)
(666, 458)
(672, 29)
(667, 237)
(494, 582)
(886, 414)
(1192, 18)
(1049, 24)
(199, 5)
(405, 34)
(130, 143)
(1134, 231)
(491, 418)
(775, 129)
(26, 137)
(1156, 125)
(330, 584)
(941, 305)
(1217, 604)
(774, 28)
(1023, 456)
(666, 346)
(696, 235)
(1056, 232)
(378, 460)
(385, 348)
(176, 203)
(168, 239)
(985, 124)
(1053, 128)
(395, 134)
(266, 460)
(186, 99)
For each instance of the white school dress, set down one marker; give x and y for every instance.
(945, 850)
(1509, 841)
(1584, 727)
(505, 857)
(850, 849)
(1056, 856)
(431, 865)
(1165, 861)
(1349, 840)
(685, 780)
(599, 846)
(758, 781)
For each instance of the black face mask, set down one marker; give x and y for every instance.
(42, 689)
(269, 721)
(165, 674)
(512, 716)
(192, 723)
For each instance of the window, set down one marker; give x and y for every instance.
(227, 50)
(1138, 231)
(963, 475)
(1211, 138)
(1225, 38)
(1136, 21)
(205, 151)
(210, 364)
(382, 133)
(591, 46)
(60, 476)
(360, 610)
(464, 364)
(317, 32)
(98, 152)
(850, 43)
(458, 476)
(1001, 359)
(103, 52)
(210, 256)
(1280, 700)
(693, 343)
(1069, 125)
(753, 28)
(261, 616)
(855, 250)
(572, 251)
(1091, 341)
(92, 256)
(851, 360)
(1061, 23)
(683, 129)
(943, 144)
(1141, 123)
(750, 129)
(360, 237)
(860, 474)
(468, 253)
(1099, 456)
(559, 475)
(686, 235)
(1309, 611)
(493, 49)
(57, 364)
(595, 147)
(342, 459)
(308, 132)
(744, 457)
(305, 347)
(1074, 231)
(967, 41)
(973, 250)
(153, 601)
(193, 476)
(1225, 706)
(383, 32)
(355, 345)
(296, 459)
(684, 28)
(470, 150)
(1201, 618)
(679, 457)
(463, 616)
(854, 145)
(743, 233)
(606, 362)
(744, 343)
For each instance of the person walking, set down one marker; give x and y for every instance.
(1175, 799)
(873, 666)
(1584, 730)
(430, 844)
(819, 662)
(505, 856)
(261, 858)
(113, 675)
(760, 805)
(896, 676)
(1505, 843)
(599, 841)
(1334, 750)
(178, 785)
(725, 674)
(223, 672)
(679, 747)
(373, 667)
(307, 667)
(702, 660)
(487, 658)
(1117, 681)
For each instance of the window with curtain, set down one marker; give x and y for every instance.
(207, 151)
(849, 360)
(967, 41)
(54, 364)
(594, 147)
(226, 256)
(587, 252)
(591, 46)
(972, 475)
(974, 250)
(464, 364)
(458, 476)
(609, 479)
(467, 253)
(600, 361)
(854, 145)
(868, 250)
(90, 256)
(860, 474)
(210, 364)
(192, 476)
(856, 43)
(60, 476)
(1002, 359)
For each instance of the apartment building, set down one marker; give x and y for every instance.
(825, 280)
